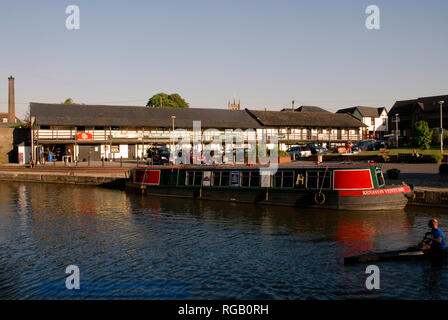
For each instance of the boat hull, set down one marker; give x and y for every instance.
(324, 200)
(410, 254)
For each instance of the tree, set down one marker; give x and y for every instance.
(421, 134)
(68, 101)
(167, 101)
(435, 136)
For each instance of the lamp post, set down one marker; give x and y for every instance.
(396, 129)
(441, 102)
(172, 137)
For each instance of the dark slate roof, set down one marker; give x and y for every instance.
(306, 119)
(306, 109)
(127, 116)
(404, 107)
(431, 104)
(372, 112)
(310, 109)
(426, 104)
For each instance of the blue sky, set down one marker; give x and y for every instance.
(265, 53)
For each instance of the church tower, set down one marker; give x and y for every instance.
(234, 105)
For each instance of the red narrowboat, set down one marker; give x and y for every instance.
(328, 186)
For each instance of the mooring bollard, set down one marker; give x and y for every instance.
(138, 158)
(121, 161)
(102, 162)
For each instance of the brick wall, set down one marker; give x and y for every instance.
(9, 140)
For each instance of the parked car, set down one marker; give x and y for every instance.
(404, 142)
(299, 152)
(368, 145)
(158, 153)
(381, 143)
(316, 149)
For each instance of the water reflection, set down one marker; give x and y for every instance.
(200, 249)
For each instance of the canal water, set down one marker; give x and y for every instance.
(134, 246)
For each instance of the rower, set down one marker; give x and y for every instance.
(435, 239)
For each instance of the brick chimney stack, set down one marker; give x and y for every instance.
(11, 102)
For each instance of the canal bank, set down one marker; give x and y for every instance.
(107, 177)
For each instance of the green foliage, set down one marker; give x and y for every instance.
(20, 125)
(435, 136)
(421, 135)
(436, 157)
(68, 101)
(167, 101)
(385, 157)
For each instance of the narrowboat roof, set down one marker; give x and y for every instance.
(245, 167)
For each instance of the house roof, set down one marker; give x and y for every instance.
(372, 112)
(310, 109)
(131, 116)
(426, 104)
(306, 119)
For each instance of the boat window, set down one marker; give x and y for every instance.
(318, 179)
(198, 178)
(255, 179)
(190, 178)
(380, 177)
(288, 179)
(284, 179)
(245, 178)
(325, 179)
(225, 178)
(278, 180)
(311, 181)
(194, 178)
(216, 178)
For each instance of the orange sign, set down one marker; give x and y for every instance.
(84, 136)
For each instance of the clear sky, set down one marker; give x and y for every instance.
(265, 53)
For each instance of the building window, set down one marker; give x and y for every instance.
(45, 127)
(384, 121)
(373, 121)
(81, 128)
(5, 120)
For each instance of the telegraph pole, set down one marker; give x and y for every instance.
(441, 127)
(396, 129)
